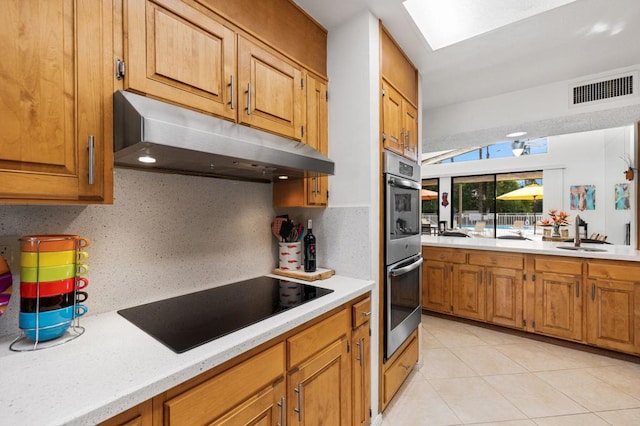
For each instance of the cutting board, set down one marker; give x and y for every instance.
(319, 274)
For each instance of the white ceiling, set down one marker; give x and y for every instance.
(578, 39)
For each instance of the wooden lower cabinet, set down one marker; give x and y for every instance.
(230, 394)
(361, 362)
(437, 271)
(305, 377)
(558, 297)
(469, 294)
(613, 306)
(318, 389)
(140, 415)
(398, 368)
(504, 297)
(590, 301)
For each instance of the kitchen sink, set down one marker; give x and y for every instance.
(581, 248)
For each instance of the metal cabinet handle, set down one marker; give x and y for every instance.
(248, 98)
(92, 158)
(359, 355)
(577, 288)
(298, 390)
(366, 313)
(283, 411)
(593, 292)
(403, 138)
(232, 102)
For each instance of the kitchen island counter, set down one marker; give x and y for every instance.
(613, 252)
(115, 365)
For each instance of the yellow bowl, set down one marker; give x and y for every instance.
(52, 258)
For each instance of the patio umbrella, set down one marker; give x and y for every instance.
(529, 192)
(426, 194)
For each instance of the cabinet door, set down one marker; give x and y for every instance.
(436, 287)
(180, 54)
(265, 409)
(392, 119)
(270, 91)
(56, 101)
(410, 115)
(469, 295)
(558, 305)
(504, 296)
(319, 390)
(361, 374)
(613, 319)
(316, 136)
(140, 415)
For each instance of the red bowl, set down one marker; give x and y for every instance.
(52, 288)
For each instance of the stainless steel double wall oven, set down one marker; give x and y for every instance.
(402, 298)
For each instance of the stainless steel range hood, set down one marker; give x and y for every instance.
(188, 142)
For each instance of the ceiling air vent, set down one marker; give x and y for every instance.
(604, 89)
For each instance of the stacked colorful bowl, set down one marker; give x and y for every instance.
(51, 284)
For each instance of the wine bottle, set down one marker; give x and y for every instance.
(309, 250)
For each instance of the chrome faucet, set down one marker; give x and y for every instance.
(576, 238)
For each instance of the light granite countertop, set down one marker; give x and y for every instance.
(115, 365)
(613, 252)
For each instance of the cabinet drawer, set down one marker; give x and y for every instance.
(499, 260)
(395, 375)
(361, 312)
(614, 271)
(443, 255)
(219, 394)
(307, 342)
(560, 266)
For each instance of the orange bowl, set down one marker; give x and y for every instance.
(53, 242)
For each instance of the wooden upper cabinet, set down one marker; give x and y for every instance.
(270, 90)
(410, 124)
(181, 54)
(396, 68)
(392, 119)
(313, 190)
(55, 144)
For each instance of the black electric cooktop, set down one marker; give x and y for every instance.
(184, 322)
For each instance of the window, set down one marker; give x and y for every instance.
(477, 206)
(430, 210)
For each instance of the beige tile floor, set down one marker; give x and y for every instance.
(474, 375)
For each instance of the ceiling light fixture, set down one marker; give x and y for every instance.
(517, 147)
(516, 134)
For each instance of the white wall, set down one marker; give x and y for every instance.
(549, 101)
(587, 158)
(353, 68)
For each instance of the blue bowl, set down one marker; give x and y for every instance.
(43, 334)
(50, 324)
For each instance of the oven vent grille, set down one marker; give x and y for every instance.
(605, 89)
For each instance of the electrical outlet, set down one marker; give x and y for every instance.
(10, 250)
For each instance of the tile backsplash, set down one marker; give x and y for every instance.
(164, 235)
(167, 235)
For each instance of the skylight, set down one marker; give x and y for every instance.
(446, 22)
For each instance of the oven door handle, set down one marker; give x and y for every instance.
(403, 183)
(405, 269)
